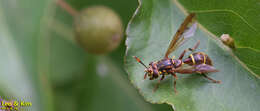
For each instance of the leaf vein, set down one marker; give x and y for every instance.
(253, 66)
(243, 47)
(225, 10)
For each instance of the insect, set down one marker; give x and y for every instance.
(197, 62)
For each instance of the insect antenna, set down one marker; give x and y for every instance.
(138, 60)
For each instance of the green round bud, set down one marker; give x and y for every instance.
(98, 29)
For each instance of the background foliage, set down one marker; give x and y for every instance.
(41, 63)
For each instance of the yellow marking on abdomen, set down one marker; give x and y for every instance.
(204, 57)
(192, 58)
(172, 61)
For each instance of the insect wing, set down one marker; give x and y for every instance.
(178, 37)
(189, 32)
(201, 68)
(186, 70)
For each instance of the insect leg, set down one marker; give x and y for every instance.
(213, 80)
(145, 75)
(190, 49)
(195, 47)
(174, 83)
(182, 54)
(157, 85)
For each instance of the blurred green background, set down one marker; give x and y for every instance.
(41, 62)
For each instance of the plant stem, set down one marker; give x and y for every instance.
(73, 12)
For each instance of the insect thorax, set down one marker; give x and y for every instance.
(166, 65)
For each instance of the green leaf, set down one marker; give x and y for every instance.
(149, 34)
(238, 19)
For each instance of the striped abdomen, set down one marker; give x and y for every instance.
(198, 58)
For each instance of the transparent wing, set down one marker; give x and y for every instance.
(182, 34)
(190, 31)
(187, 70)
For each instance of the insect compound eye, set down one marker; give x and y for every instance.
(149, 73)
(155, 75)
